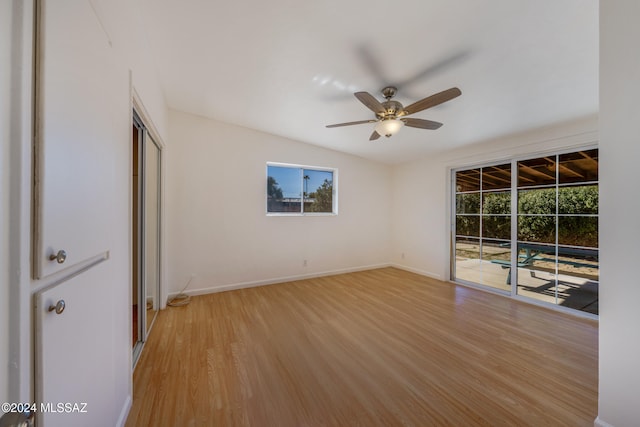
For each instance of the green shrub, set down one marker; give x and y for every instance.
(537, 219)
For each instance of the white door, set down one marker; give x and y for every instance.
(74, 391)
(83, 122)
(82, 113)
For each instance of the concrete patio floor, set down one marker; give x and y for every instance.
(571, 291)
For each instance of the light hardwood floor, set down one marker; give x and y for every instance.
(376, 348)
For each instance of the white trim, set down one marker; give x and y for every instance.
(21, 384)
(539, 147)
(513, 237)
(124, 412)
(276, 280)
(297, 166)
(285, 279)
(62, 276)
(591, 145)
(138, 106)
(599, 422)
(301, 214)
(450, 238)
(417, 271)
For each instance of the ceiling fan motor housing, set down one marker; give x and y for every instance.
(391, 108)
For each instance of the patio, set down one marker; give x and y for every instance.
(578, 290)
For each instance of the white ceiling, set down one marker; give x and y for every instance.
(290, 67)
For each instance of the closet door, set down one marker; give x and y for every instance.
(81, 194)
(151, 230)
(82, 114)
(73, 332)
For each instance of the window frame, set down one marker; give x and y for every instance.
(301, 168)
(515, 159)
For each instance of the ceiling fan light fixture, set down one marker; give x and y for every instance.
(388, 127)
(387, 120)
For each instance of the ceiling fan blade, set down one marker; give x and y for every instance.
(375, 135)
(372, 103)
(370, 61)
(421, 123)
(431, 101)
(360, 122)
(436, 68)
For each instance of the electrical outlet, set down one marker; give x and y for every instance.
(402, 255)
(304, 262)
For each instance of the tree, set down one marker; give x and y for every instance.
(537, 222)
(306, 185)
(574, 228)
(496, 223)
(323, 198)
(576, 214)
(274, 193)
(273, 189)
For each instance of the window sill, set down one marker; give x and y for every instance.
(302, 214)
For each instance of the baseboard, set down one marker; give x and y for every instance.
(275, 280)
(417, 271)
(598, 422)
(124, 413)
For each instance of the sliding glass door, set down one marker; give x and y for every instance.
(558, 229)
(533, 233)
(146, 235)
(483, 224)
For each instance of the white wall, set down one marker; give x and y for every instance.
(16, 205)
(619, 389)
(6, 10)
(420, 216)
(224, 238)
(119, 19)
(123, 23)
(217, 227)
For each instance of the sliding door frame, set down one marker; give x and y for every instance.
(513, 289)
(141, 119)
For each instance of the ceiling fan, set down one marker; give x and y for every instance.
(390, 115)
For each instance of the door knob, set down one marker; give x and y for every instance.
(59, 307)
(60, 257)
